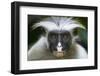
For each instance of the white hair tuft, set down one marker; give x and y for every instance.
(58, 23)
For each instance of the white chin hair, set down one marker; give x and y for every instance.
(58, 54)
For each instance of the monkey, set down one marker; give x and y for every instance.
(59, 42)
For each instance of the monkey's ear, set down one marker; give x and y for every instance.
(40, 30)
(37, 25)
(77, 30)
(80, 36)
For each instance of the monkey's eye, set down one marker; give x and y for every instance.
(52, 37)
(66, 36)
(75, 31)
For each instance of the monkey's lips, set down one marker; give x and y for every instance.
(59, 54)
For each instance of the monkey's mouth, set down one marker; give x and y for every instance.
(59, 54)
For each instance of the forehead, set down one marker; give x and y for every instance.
(58, 32)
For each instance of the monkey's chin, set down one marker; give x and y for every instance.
(58, 54)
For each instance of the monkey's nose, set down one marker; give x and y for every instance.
(59, 44)
(59, 47)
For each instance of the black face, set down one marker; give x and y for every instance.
(64, 37)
